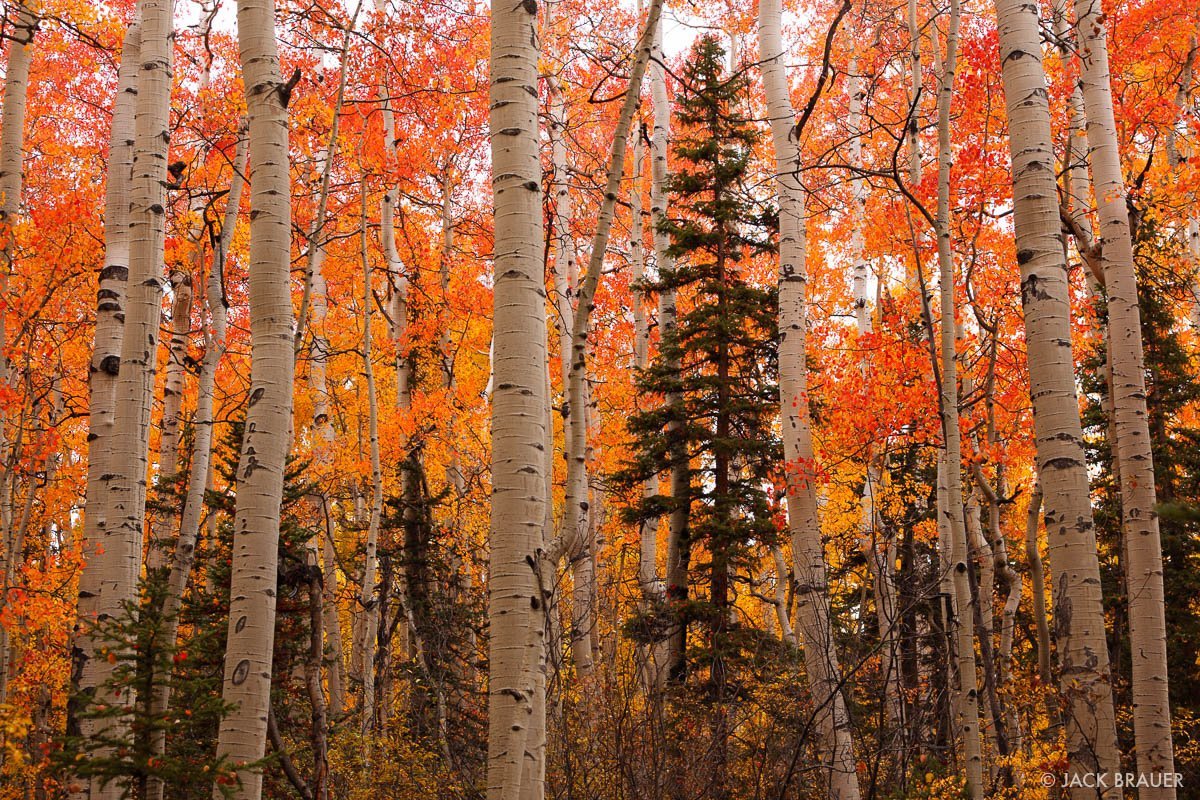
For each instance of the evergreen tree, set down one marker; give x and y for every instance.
(725, 347)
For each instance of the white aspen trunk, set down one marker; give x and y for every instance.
(160, 524)
(105, 366)
(967, 680)
(204, 420)
(515, 599)
(454, 476)
(565, 266)
(1143, 545)
(912, 135)
(565, 272)
(124, 483)
(1083, 651)
(781, 596)
(181, 328)
(648, 532)
(676, 572)
(1076, 196)
(816, 629)
(251, 638)
(1037, 588)
(397, 280)
(332, 622)
(11, 544)
(1011, 579)
(316, 239)
(368, 599)
(1175, 159)
(12, 140)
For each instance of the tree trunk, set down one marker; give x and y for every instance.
(1143, 545)
(1085, 681)
(678, 546)
(124, 483)
(316, 239)
(515, 599)
(881, 555)
(104, 366)
(193, 504)
(247, 681)
(1037, 587)
(12, 157)
(816, 629)
(368, 598)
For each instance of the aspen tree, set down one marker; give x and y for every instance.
(1143, 545)
(184, 553)
(1083, 651)
(678, 555)
(12, 140)
(160, 524)
(967, 688)
(124, 483)
(368, 599)
(106, 360)
(912, 130)
(565, 271)
(816, 629)
(1176, 158)
(516, 601)
(247, 679)
(648, 532)
(317, 236)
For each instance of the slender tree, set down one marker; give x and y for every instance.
(124, 482)
(516, 601)
(260, 474)
(1079, 621)
(812, 586)
(105, 364)
(12, 156)
(1143, 544)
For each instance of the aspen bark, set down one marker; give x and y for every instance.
(160, 525)
(1037, 586)
(204, 420)
(648, 532)
(912, 131)
(1175, 158)
(781, 594)
(247, 680)
(368, 598)
(181, 327)
(12, 142)
(678, 548)
(816, 629)
(1143, 544)
(124, 483)
(950, 505)
(316, 239)
(105, 364)
(515, 599)
(1084, 679)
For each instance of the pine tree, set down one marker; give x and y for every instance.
(724, 349)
